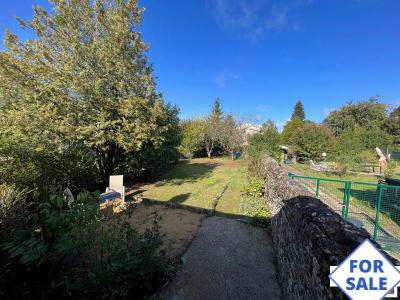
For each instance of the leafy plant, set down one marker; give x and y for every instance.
(368, 157)
(77, 107)
(76, 251)
(367, 114)
(123, 263)
(254, 187)
(42, 236)
(264, 143)
(255, 168)
(256, 208)
(390, 169)
(311, 140)
(87, 197)
(12, 206)
(290, 128)
(193, 132)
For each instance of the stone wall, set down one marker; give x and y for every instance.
(308, 237)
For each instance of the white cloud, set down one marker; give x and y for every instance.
(253, 18)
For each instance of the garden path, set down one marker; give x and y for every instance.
(227, 260)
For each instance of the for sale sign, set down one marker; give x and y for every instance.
(366, 274)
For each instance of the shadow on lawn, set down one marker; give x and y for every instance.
(180, 198)
(178, 202)
(185, 172)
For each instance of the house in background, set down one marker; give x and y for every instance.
(250, 129)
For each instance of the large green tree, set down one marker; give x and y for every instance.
(84, 83)
(193, 131)
(392, 124)
(354, 143)
(311, 140)
(290, 128)
(232, 136)
(299, 111)
(367, 114)
(265, 142)
(214, 129)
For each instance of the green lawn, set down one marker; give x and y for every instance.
(304, 169)
(363, 198)
(199, 181)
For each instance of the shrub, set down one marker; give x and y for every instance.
(255, 168)
(192, 136)
(254, 187)
(12, 206)
(311, 140)
(123, 263)
(357, 145)
(368, 157)
(290, 128)
(265, 142)
(86, 197)
(366, 114)
(253, 204)
(45, 169)
(256, 208)
(75, 251)
(390, 169)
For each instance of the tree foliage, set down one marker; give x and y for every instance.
(367, 114)
(83, 88)
(193, 131)
(214, 131)
(265, 142)
(311, 140)
(74, 251)
(299, 111)
(353, 144)
(232, 136)
(392, 124)
(290, 128)
(207, 133)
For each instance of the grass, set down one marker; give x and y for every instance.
(363, 198)
(304, 169)
(198, 182)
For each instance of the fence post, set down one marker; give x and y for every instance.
(378, 210)
(344, 201)
(317, 189)
(348, 195)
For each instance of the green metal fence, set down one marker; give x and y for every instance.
(374, 207)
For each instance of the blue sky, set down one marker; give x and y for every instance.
(261, 56)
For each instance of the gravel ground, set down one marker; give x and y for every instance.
(226, 260)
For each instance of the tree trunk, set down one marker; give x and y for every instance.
(106, 162)
(209, 148)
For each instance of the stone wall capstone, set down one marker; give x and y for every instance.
(308, 237)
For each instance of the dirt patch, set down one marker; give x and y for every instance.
(178, 227)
